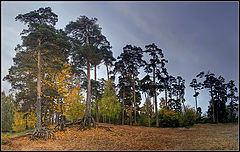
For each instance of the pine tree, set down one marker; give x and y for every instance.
(155, 66)
(86, 38)
(132, 60)
(41, 43)
(233, 105)
(196, 86)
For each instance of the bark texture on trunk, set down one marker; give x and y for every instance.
(39, 123)
(95, 72)
(166, 96)
(88, 106)
(97, 118)
(39, 130)
(155, 98)
(134, 101)
(123, 106)
(107, 72)
(231, 110)
(195, 99)
(88, 121)
(213, 107)
(130, 119)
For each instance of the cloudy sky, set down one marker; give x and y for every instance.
(194, 36)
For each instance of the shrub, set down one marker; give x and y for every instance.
(20, 121)
(168, 118)
(7, 112)
(188, 117)
(144, 121)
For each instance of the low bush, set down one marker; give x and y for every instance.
(144, 120)
(188, 117)
(168, 118)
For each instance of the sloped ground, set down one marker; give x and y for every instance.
(199, 137)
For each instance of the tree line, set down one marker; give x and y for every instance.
(50, 81)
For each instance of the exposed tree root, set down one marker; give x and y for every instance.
(60, 126)
(87, 122)
(42, 132)
(106, 128)
(78, 122)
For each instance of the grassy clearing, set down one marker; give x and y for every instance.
(124, 137)
(12, 134)
(5, 137)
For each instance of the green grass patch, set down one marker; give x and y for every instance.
(12, 134)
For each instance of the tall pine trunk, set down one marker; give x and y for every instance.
(88, 106)
(97, 118)
(123, 106)
(134, 100)
(195, 100)
(95, 72)
(213, 107)
(130, 119)
(107, 72)
(38, 123)
(155, 98)
(231, 110)
(166, 96)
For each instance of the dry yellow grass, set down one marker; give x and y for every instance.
(198, 137)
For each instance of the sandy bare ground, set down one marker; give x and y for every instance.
(198, 137)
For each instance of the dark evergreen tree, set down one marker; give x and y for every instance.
(209, 83)
(196, 86)
(108, 58)
(233, 105)
(7, 112)
(155, 66)
(41, 44)
(132, 59)
(124, 85)
(86, 40)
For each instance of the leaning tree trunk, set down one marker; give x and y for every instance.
(134, 101)
(155, 99)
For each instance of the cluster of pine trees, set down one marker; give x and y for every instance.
(49, 77)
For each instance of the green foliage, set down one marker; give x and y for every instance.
(109, 106)
(7, 114)
(20, 121)
(146, 113)
(188, 118)
(168, 118)
(144, 120)
(76, 110)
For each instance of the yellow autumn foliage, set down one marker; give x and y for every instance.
(69, 99)
(20, 122)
